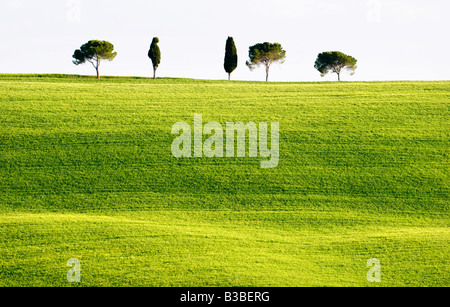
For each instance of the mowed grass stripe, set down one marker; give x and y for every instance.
(184, 249)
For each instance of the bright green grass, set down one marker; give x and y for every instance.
(86, 172)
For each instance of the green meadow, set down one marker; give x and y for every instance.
(86, 172)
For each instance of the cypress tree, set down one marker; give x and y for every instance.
(155, 55)
(231, 57)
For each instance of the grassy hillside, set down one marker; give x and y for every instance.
(86, 172)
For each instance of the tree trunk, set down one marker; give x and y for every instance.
(97, 68)
(267, 73)
(154, 73)
(339, 77)
(229, 76)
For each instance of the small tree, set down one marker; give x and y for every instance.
(94, 52)
(265, 54)
(335, 62)
(231, 57)
(155, 55)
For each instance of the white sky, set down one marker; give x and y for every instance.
(392, 39)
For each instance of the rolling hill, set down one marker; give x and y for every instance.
(86, 172)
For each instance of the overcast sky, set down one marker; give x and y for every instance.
(392, 39)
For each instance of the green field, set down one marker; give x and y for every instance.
(86, 172)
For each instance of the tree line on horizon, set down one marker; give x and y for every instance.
(262, 54)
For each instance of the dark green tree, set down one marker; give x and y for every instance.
(335, 62)
(155, 55)
(94, 52)
(231, 57)
(265, 54)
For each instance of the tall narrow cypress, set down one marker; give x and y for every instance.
(231, 57)
(155, 55)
